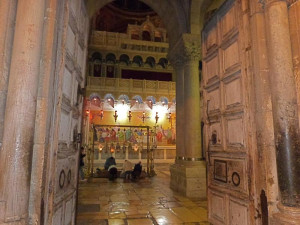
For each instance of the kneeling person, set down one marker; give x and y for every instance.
(113, 172)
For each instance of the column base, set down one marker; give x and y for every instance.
(286, 216)
(189, 178)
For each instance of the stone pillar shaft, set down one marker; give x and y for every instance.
(192, 133)
(284, 103)
(7, 18)
(180, 128)
(266, 157)
(294, 18)
(20, 111)
(41, 134)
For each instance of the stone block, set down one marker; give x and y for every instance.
(190, 181)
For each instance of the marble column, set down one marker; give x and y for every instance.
(20, 111)
(179, 69)
(285, 110)
(192, 121)
(8, 10)
(188, 174)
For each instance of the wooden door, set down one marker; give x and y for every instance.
(72, 35)
(228, 128)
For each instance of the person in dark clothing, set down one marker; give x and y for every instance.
(113, 172)
(81, 163)
(137, 170)
(109, 161)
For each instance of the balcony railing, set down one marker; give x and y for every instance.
(130, 86)
(123, 41)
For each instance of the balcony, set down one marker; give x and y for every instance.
(130, 87)
(122, 42)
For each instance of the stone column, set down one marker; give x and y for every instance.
(44, 109)
(192, 119)
(8, 10)
(179, 69)
(265, 155)
(294, 19)
(188, 174)
(285, 110)
(19, 122)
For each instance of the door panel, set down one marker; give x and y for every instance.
(227, 114)
(73, 35)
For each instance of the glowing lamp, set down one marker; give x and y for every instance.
(112, 148)
(100, 147)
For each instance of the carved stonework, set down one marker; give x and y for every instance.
(192, 46)
(186, 49)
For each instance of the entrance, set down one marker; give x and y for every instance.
(229, 122)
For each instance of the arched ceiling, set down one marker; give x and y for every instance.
(115, 16)
(175, 16)
(178, 16)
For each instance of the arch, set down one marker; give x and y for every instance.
(124, 58)
(146, 36)
(168, 10)
(96, 56)
(95, 99)
(94, 96)
(109, 96)
(123, 98)
(151, 61)
(110, 57)
(163, 62)
(164, 100)
(138, 60)
(152, 99)
(138, 99)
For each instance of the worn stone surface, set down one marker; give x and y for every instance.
(284, 103)
(16, 151)
(147, 201)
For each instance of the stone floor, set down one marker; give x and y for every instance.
(148, 201)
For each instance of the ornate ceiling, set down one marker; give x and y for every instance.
(116, 16)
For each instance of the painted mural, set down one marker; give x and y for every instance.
(134, 138)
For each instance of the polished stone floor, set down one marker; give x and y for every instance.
(148, 201)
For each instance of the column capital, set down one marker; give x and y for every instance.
(192, 46)
(187, 48)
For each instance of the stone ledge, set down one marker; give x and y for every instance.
(189, 180)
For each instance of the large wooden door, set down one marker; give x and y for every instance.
(228, 128)
(72, 34)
